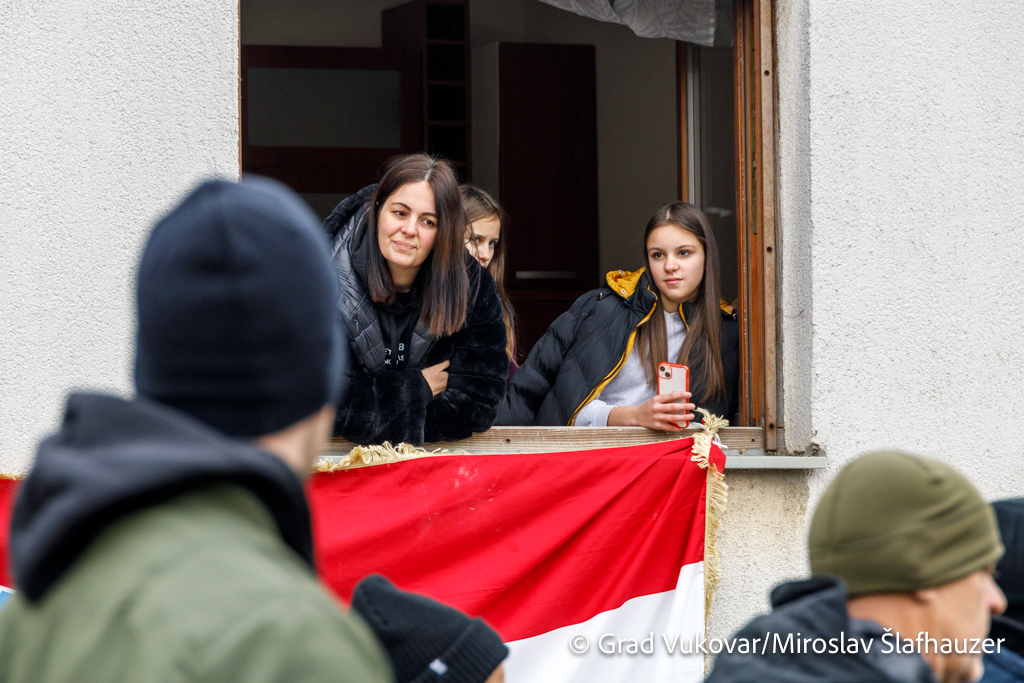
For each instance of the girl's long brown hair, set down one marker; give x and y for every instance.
(702, 347)
(445, 283)
(479, 205)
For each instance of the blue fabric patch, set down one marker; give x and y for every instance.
(1005, 666)
(5, 595)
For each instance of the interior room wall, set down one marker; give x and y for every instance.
(328, 23)
(636, 111)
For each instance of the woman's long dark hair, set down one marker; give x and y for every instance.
(445, 288)
(702, 347)
(479, 205)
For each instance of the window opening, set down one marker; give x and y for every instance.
(442, 68)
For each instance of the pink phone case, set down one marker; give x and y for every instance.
(673, 377)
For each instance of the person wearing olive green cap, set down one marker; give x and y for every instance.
(898, 543)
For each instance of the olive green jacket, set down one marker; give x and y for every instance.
(198, 588)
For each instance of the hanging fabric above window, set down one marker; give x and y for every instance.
(690, 20)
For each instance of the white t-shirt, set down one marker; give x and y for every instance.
(630, 386)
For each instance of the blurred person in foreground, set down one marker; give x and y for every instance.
(168, 537)
(427, 640)
(898, 544)
(1007, 665)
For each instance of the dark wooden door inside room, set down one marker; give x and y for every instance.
(547, 172)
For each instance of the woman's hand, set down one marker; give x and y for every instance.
(666, 412)
(437, 377)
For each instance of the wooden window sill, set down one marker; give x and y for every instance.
(743, 446)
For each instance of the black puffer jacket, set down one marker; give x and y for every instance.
(396, 405)
(813, 613)
(585, 347)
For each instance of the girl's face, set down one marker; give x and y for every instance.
(483, 239)
(677, 264)
(407, 226)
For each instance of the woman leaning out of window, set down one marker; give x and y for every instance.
(597, 364)
(424, 319)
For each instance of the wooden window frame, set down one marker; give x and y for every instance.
(757, 433)
(754, 70)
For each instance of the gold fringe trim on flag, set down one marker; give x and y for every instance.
(385, 453)
(12, 477)
(717, 496)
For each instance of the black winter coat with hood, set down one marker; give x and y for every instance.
(586, 347)
(813, 614)
(396, 405)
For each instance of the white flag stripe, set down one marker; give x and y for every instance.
(547, 658)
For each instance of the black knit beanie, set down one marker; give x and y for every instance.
(427, 641)
(237, 317)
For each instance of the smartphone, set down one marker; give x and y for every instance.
(673, 377)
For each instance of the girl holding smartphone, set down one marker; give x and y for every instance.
(424, 320)
(597, 365)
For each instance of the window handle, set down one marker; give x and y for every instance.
(719, 211)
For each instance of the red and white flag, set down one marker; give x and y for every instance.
(590, 564)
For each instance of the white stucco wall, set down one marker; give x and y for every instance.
(916, 141)
(109, 112)
(901, 216)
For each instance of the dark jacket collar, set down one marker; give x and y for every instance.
(1010, 630)
(112, 457)
(815, 608)
(644, 297)
(340, 219)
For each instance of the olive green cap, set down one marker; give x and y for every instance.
(894, 522)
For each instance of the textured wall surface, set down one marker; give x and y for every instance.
(916, 137)
(110, 111)
(900, 212)
(761, 542)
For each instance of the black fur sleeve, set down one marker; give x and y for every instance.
(390, 406)
(477, 373)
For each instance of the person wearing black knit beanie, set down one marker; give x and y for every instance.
(167, 536)
(426, 640)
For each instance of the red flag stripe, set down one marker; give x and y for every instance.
(530, 542)
(8, 487)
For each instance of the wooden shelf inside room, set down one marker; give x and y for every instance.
(440, 30)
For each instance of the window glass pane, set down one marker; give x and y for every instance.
(324, 107)
(715, 138)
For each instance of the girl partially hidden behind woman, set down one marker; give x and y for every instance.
(597, 364)
(424, 320)
(486, 238)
